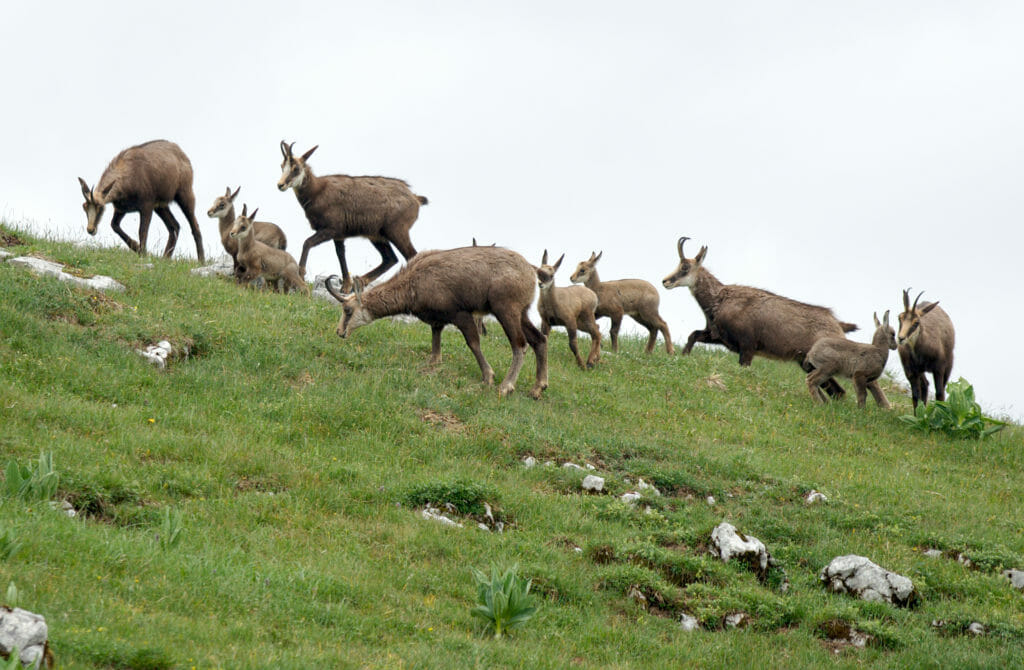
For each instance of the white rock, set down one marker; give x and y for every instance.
(51, 269)
(571, 466)
(727, 543)
(976, 628)
(483, 526)
(153, 358)
(710, 500)
(688, 622)
(1016, 578)
(434, 514)
(644, 486)
(860, 577)
(164, 344)
(593, 483)
(588, 466)
(64, 506)
(815, 497)
(26, 631)
(223, 265)
(578, 550)
(4, 255)
(630, 497)
(39, 266)
(933, 553)
(549, 464)
(529, 462)
(96, 283)
(736, 620)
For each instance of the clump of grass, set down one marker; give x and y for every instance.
(466, 496)
(9, 544)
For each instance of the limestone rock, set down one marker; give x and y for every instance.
(688, 622)
(51, 269)
(26, 631)
(221, 266)
(434, 514)
(593, 483)
(737, 620)
(529, 462)
(860, 577)
(4, 255)
(1016, 578)
(813, 497)
(728, 543)
(630, 497)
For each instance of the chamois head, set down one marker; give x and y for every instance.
(546, 273)
(93, 207)
(223, 203)
(243, 224)
(884, 333)
(688, 269)
(584, 269)
(293, 170)
(910, 319)
(353, 313)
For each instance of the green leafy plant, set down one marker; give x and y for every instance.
(13, 660)
(171, 527)
(11, 597)
(957, 416)
(37, 482)
(504, 599)
(9, 544)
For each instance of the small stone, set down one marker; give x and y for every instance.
(644, 486)
(434, 514)
(223, 266)
(578, 550)
(593, 483)
(630, 497)
(25, 630)
(813, 497)
(483, 526)
(1016, 578)
(737, 620)
(859, 639)
(727, 543)
(571, 466)
(933, 553)
(710, 500)
(863, 579)
(588, 466)
(549, 464)
(4, 255)
(976, 628)
(964, 561)
(529, 462)
(688, 622)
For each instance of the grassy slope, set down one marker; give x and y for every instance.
(290, 454)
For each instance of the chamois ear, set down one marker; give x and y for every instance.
(86, 191)
(309, 153)
(544, 258)
(598, 257)
(558, 263)
(244, 207)
(700, 255)
(929, 308)
(878, 324)
(253, 215)
(234, 195)
(885, 318)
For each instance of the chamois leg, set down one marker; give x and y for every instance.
(115, 223)
(464, 322)
(746, 357)
(172, 229)
(616, 322)
(187, 202)
(700, 336)
(663, 327)
(813, 381)
(834, 389)
(940, 379)
(387, 260)
(590, 326)
(435, 343)
(879, 396)
(573, 346)
(145, 216)
(399, 237)
(539, 343)
(516, 338)
(860, 385)
(319, 237)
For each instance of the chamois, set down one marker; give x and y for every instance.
(926, 340)
(380, 209)
(442, 287)
(223, 209)
(261, 260)
(752, 321)
(145, 178)
(568, 306)
(635, 297)
(864, 363)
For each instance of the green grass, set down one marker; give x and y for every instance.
(296, 461)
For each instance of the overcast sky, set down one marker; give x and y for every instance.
(833, 152)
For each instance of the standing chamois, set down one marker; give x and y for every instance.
(442, 287)
(864, 363)
(568, 306)
(752, 321)
(635, 297)
(338, 206)
(260, 260)
(145, 178)
(926, 340)
(223, 209)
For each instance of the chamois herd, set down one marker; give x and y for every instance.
(457, 286)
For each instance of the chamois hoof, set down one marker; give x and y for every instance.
(506, 390)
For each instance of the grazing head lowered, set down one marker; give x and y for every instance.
(926, 340)
(442, 287)
(569, 306)
(864, 363)
(752, 321)
(635, 297)
(338, 206)
(145, 178)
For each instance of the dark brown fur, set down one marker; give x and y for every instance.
(145, 178)
(442, 287)
(380, 209)
(926, 340)
(751, 321)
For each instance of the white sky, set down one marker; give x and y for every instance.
(832, 152)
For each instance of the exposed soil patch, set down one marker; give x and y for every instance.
(445, 420)
(9, 239)
(257, 485)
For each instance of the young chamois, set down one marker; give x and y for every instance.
(864, 363)
(442, 287)
(223, 209)
(568, 306)
(635, 297)
(926, 340)
(260, 260)
(338, 206)
(752, 321)
(145, 178)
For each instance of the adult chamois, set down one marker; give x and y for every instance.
(569, 306)
(635, 297)
(145, 178)
(338, 206)
(751, 321)
(450, 286)
(223, 209)
(926, 340)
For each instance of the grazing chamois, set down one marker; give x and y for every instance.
(338, 206)
(750, 320)
(926, 340)
(635, 297)
(864, 363)
(569, 306)
(223, 209)
(145, 178)
(442, 287)
(260, 260)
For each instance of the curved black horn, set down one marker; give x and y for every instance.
(914, 308)
(679, 245)
(340, 297)
(906, 299)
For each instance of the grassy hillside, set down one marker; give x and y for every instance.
(297, 462)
